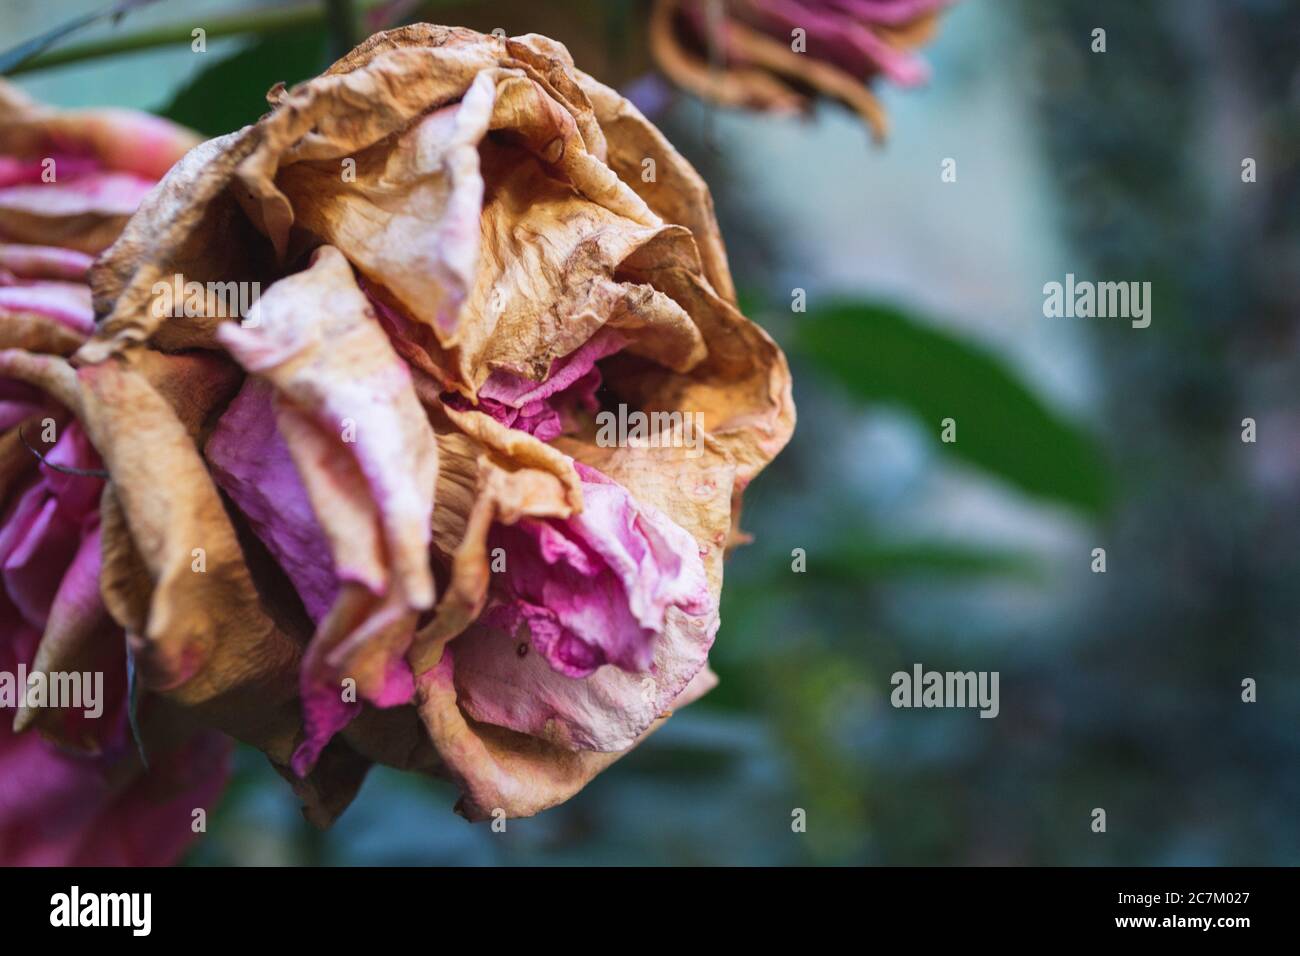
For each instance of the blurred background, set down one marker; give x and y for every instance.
(1119, 690)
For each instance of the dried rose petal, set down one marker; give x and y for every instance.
(463, 266)
(748, 53)
(72, 789)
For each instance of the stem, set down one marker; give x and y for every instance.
(343, 25)
(258, 21)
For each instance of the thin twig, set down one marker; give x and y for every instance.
(62, 469)
(14, 57)
(277, 20)
(255, 22)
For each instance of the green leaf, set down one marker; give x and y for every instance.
(849, 563)
(231, 93)
(881, 354)
(856, 562)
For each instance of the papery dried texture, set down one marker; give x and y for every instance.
(205, 635)
(367, 458)
(72, 178)
(58, 806)
(429, 185)
(72, 787)
(49, 547)
(575, 728)
(173, 574)
(609, 260)
(68, 182)
(53, 170)
(747, 53)
(458, 229)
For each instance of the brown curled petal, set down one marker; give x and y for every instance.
(735, 86)
(264, 710)
(526, 116)
(825, 78)
(190, 226)
(49, 373)
(79, 638)
(393, 737)
(550, 65)
(37, 333)
(499, 771)
(905, 36)
(201, 638)
(743, 388)
(124, 580)
(676, 192)
(340, 113)
(332, 784)
(535, 303)
(410, 220)
(519, 449)
(15, 460)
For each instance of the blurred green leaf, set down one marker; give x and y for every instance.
(881, 354)
(852, 563)
(232, 92)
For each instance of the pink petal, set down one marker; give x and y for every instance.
(517, 391)
(65, 302)
(102, 193)
(595, 587)
(606, 711)
(15, 171)
(44, 262)
(58, 809)
(251, 463)
(36, 545)
(542, 408)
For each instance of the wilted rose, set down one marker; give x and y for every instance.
(778, 55)
(466, 251)
(72, 787)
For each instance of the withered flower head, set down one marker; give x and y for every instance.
(464, 508)
(72, 787)
(779, 55)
